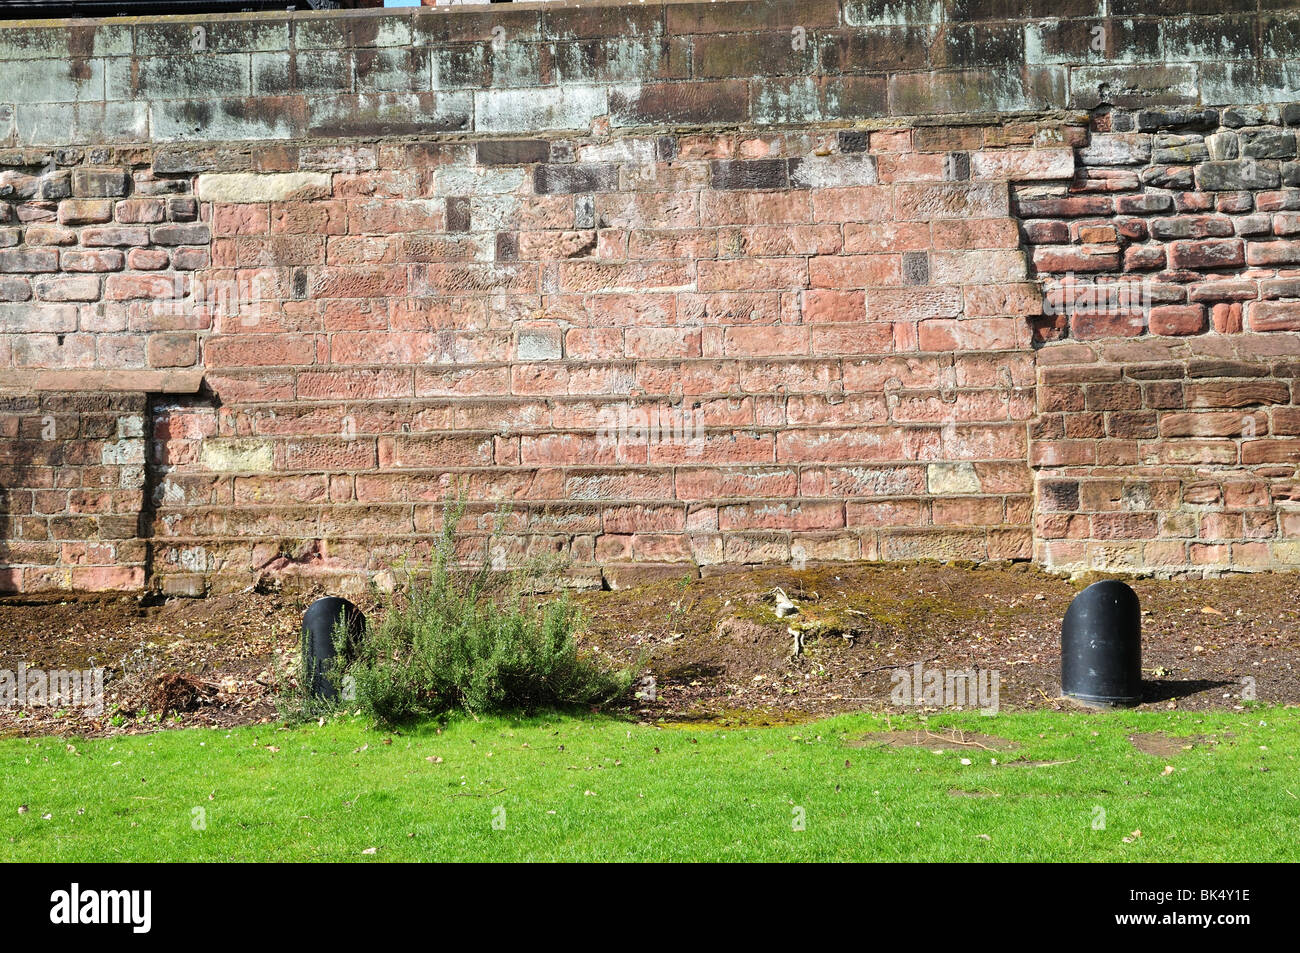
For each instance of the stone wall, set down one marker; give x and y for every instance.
(686, 285)
(73, 491)
(1168, 429)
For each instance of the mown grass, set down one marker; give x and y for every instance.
(596, 788)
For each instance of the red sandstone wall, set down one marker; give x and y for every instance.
(694, 349)
(73, 491)
(717, 326)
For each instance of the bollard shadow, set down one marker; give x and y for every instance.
(1169, 689)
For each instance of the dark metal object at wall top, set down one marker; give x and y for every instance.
(1101, 646)
(35, 9)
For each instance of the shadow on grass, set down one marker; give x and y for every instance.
(1169, 689)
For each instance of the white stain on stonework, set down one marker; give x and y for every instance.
(193, 559)
(477, 180)
(235, 187)
(123, 452)
(830, 172)
(948, 479)
(796, 101)
(516, 110)
(236, 455)
(492, 213)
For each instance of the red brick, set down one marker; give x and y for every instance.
(54, 235)
(1091, 326)
(1227, 317)
(755, 274)
(96, 260)
(1274, 315)
(28, 260)
(1072, 207)
(85, 211)
(125, 287)
(1210, 253)
(854, 271)
(1177, 319)
(976, 233)
(141, 211)
(256, 350)
(1046, 232)
(826, 306)
(1273, 253)
(173, 350)
(1054, 259)
(1144, 257)
(15, 289)
(68, 289)
(240, 220)
(148, 259)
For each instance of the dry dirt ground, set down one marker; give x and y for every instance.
(715, 646)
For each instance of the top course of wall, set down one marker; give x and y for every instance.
(541, 67)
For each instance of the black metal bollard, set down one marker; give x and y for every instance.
(318, 650)
(1101, 646)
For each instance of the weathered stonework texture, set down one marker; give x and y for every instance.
(687, 285)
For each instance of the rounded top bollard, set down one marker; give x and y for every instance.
(1101, 646)
(318, 649)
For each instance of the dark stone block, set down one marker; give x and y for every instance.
(992, 45)
(513, 151)
(666, 148)
(1178, 8)
(1197, 120)
(192, 234)
(779, 15)
(388, 114)
(756, 54)
(1168, 177)
(584, 212)
(1281, 37)
(856, 97)
(182, 209)
(1232, 38)
(1121, 120)
(854, 140)
(57, 186)
(1238, 116)
(1237, 174)
(579, 177)
(458, 215)
(1180, 153)
(749, 173)
(100, 183)
(568, 22)
(916, 268)
(1268, 144)
(1059, 496)
(1224, 368)
(694, 103)
(507, 246)
(191, 159)
(315, 71)
(883, 48)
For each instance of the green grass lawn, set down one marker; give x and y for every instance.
(596, 788)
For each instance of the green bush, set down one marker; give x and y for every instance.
(454, 640)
